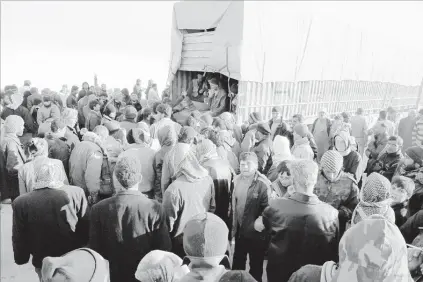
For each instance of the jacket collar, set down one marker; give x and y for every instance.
(129, 192)
(305, 199)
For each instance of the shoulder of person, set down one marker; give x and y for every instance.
(263, 179)
(349, 176)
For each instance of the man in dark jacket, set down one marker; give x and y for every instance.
(263, 148)
(303, 229)
(250, 198)
(48, 220)
(13, 106)
(127, 226)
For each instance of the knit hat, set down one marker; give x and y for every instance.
(48, 175)
(80, 265)
(332, 161)
(205, 235)
(237, 276)
(130, 112)
(375, 198)
(160, 266)
(38, 147)
(416, 154)
(263, 128)
(12, 124)
(256, 117)
(301, 130)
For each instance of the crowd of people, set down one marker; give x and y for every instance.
(137, 187)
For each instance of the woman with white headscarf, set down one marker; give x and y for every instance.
(281, 152)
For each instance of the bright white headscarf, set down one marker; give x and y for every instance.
(281, 149)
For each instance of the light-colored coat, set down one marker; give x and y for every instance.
(302, 149)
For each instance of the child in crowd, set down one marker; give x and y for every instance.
(402, 189)
(282, 186)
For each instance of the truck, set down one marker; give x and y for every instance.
(279, 55)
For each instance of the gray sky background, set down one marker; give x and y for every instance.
(52, 43)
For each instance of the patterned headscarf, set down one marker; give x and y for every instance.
(206, 150)
(12, 124)
(332, 161)
(375, 199)
(40, 147)
(183, 160)
(373, 250)
(48, 175)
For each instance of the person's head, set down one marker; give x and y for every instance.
(284, 174)
(229, 120)
(70, 117)
(74, 90)
(402, 189)
(38, 147)
(372, 250)
(342, 143)
(331, 164)
(359, 111)
(58, 128)
(205, 239)
(110, 111)
(167, 136)
(199, 76)
(304, 175)
(219, 124)
(104, 87)
(214, 84)
(248, 164)
(187, 135)
(322, 113)
(263, 131)
(382, 115)
(297, 119)
(412, 113)
(48, 175)
(161, 266)
(413, 155)
(80, 265)
(154, 86)
(394, 144)
(381, 129)
(27, 83)
(92, 89)
(134, 99)
(94, 105)
(254, 117)
(128, 171)
(300, 131)
(33, 90)
(138, 82)
(47, 101)
(14, 124)
(206, 150)
(345, 116)
(276, 112)
(237, 276)
(281, 147)
(102, 132)
(163, 111)
(130, 113)
(142, 135)
(85, 86)
(146, 114)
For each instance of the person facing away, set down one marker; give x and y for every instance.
(321, 132)
(192, 192)
(205, 245)
(127, 226)
(302, 148)
(249, 199)
(263, 148)
(304, 230)
(390, 126)
(46, 221)
(359, 128)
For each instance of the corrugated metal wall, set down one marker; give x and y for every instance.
(309, 97)
(180, 83)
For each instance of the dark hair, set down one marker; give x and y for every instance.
(283, 167)
(155, 105)
(93, 103)
(404, 183)
(299, 117)
(244, 156)
(145, 113)
(128, 171)
(85, 83)
(382, 114)
(360, 111)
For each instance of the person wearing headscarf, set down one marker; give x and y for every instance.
(142, 149)
(13, 106)
(167, 138)
(227, 148)
(80, 265)
(304, 230)
(337, 188)
(360, 251)
(160, 266)
(248, 142)
(69, 118)
(39, 151)
(321, 132)
(186, 139)
(162, 117)
(205, 242)
(263, 147)
(352, 159)
(191, 192)
(47, 221)
(281, 152)
(282, 185)
(302, 148)
(127, 226)
(231, 125)
(375, 198)
(12, 156)
(222, 174)
(249, 199)
(129, 121)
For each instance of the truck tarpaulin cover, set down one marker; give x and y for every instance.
(272, 41)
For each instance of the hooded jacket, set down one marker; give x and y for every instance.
(352, 159)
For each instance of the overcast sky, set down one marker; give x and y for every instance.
(52, 43)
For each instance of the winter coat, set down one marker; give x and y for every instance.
(46, 223)
(218, 103)
(386, 165)
(264, 152)
(59, 149)
(33, 100)
(302, 149)
(72, 102)
(27, 173)
(303, 231)
(85, 167)
(410, 229)
(281, 128)
(417, 134)
(249, 138)
(12, 159)
(93, 119)
(48, 114)
(24, 113)
(126, 227)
